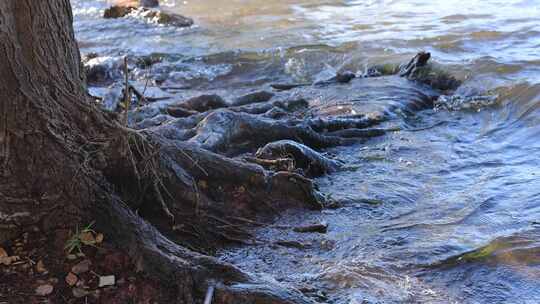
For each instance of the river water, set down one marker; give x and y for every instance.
(446, 214)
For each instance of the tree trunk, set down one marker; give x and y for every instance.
(47, 126)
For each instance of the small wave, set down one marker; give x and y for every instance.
(468, 103)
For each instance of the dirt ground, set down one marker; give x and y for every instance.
(31, 273)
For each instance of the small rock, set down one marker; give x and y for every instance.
(71, 257)
(345, 77)
(328, 244)
(103, 70)
(118, 11)
(81, 267)
(44, 290)
(106, 281)
(40, 267)
(165, 18)
(320, 228)
(112, 98)
(169, 19)
(71, 279)
(79, 292)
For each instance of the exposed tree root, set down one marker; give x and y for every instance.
(309, 161)
(188, 273)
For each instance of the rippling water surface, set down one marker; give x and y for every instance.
(444, 214)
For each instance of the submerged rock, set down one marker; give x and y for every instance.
(170, 19)
(418, 69)
(101, 70)
(160, 17)
(118, 11)
(319, 228)
(112, 98)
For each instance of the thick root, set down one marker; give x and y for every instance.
(310, 162)
(189, 193)
(188, 273)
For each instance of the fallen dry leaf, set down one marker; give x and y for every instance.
(3, 253)
(88, 238)
(40, 267)
(99, 238)
(71, 279)
(44, 290)
(81, 267)
(9, 260)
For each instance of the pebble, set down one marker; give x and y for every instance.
(79, 292)
(71, 257)
(320, 228)
(106, 281)
(44, 290)
(81, 267)
(99, 238)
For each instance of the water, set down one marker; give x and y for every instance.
(446, 214)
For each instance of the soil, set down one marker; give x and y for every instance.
(36, 269)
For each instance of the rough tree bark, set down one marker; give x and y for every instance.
(64, 163)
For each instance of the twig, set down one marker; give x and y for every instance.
(209, 294)
(127, 89)
(242, 219)
(146, 84)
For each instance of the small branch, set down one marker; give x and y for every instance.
(127, 89)
(209, 294)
